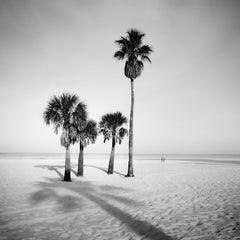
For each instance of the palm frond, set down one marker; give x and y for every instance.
(119, 55)
(86, 133)
(121, 133)
(135, 37)
(68, 101)
(72, 134)
(144, 50)
(79, 116)
(113, 120)
(140, 64)
(90, 132)
(106, 134)
(146, 58)
(123, 42)
(59, 112)
(52, 114)
(110, 124)
(56, 127)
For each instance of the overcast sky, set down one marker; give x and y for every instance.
(186, 101)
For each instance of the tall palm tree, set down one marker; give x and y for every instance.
(111, 128)
(135, 53)
(85, 136)
(62, 112)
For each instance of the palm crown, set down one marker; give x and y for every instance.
(132, 49)
(111, 126)
(65, 111)
(88, 133)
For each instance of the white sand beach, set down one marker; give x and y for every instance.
(171, 200)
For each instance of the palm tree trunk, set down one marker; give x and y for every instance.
(130, 154)
(67, 175)
(111, 161)
(80, 160)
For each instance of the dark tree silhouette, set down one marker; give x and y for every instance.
(111, 128)
(85, 135)
(135, 53)
(62, 112)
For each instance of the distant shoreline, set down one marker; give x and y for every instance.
(188, 158)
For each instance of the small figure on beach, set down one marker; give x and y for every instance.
(163, 159)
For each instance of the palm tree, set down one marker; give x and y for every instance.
(85, 136)
(62, 112)
(135, 53)
(111, 127)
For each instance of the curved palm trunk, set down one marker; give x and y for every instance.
(67, 175)
(130, 154)
(80, 160)
(111, 161)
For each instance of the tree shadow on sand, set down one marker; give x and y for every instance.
(55, 168)
(103, 198)
(105, 170)
(65, 203)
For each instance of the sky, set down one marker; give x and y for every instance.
(186, 101)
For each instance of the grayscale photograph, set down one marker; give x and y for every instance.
(120, 120)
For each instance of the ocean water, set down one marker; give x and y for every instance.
(222, 158)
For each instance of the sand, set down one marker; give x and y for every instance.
(171, 200)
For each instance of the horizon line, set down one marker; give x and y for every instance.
(122, 153)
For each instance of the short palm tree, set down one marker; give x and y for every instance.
(62, 112)
(85, 135)
(111, 128)
(135, 53)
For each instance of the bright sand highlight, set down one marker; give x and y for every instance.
(171, 200)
